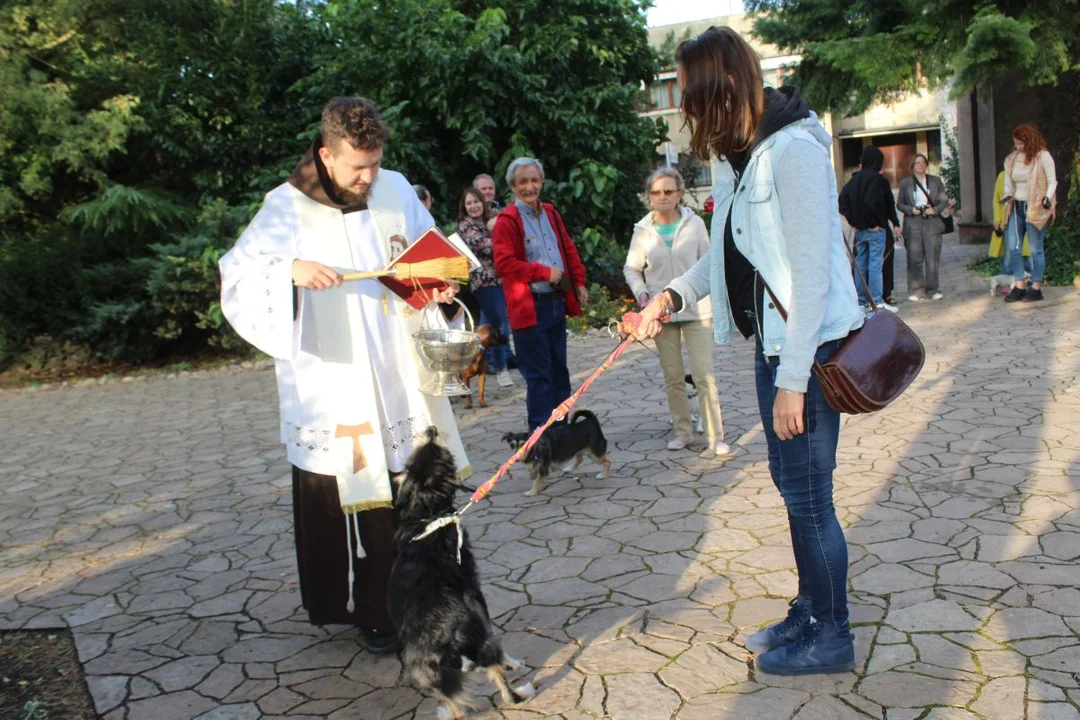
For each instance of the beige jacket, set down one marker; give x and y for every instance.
(651, 265)
(1042, 183)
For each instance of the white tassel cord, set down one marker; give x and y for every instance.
(351, 604)
(439, 524)
(360, 552)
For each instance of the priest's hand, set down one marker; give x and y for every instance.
(314, 276)
(582, 296)
(447, 295)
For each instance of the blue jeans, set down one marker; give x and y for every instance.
(869, 257)
(802, 470)
(541, 357)
(492, 303)
(1014, 245)
(1005, 261)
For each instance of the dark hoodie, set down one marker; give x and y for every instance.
(867, 198)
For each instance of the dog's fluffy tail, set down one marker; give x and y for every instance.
(588, 416)
(584, 415)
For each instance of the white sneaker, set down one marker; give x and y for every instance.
(890, 308)
(504, 378)
(721, 448)
(914, 298)
(678, 442)
(936, 296)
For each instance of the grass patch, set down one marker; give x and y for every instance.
(41, 678)
(985, 266)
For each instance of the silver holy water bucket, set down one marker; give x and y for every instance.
(446, 353)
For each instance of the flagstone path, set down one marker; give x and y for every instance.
(154, 519)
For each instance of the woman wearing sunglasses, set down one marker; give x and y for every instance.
(666, 243)
(776, 223)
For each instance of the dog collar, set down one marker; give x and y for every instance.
(439, 524)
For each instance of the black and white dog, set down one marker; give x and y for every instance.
(436, 603)
(562, 444)
(695, 404)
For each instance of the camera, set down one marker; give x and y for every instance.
(1046, 203)
(921, 209)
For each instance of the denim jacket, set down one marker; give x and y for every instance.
(827, 306)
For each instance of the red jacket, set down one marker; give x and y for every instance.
(508, 247)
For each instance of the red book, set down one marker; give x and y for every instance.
(431, 245)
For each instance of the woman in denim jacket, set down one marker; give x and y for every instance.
(776, 223)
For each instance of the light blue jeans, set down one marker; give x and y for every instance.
(1014, 244)
(869, 257)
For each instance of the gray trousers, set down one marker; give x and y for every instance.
(923, 237)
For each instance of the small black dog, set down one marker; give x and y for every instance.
(695, 404)
(436, 603)
(562, 443)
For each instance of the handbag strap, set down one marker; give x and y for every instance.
(783, 312)
(924, 190)
(851, 258)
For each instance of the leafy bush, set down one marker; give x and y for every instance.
(985, 265)
(603, 258)
(171, 299)
(600, 310)
(950, 164)
(1063, 241)
(118, 128)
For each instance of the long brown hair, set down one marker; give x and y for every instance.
(723, 98)
(1034, 142)
(462, 213)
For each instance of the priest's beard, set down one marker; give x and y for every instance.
(351, 197)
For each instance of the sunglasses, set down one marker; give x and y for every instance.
(665, 193)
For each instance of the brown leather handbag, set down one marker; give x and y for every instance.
(874, 364)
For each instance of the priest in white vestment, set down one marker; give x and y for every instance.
(347, 374)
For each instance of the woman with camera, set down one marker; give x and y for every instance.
(1030, 204)
(922, 200)
(776, 226)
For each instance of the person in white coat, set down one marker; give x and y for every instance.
(667, 243)
(347, 374)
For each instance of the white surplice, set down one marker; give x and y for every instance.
(348, 357)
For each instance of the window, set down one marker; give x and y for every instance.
(695, 173)
(933, 146)
(664, 95)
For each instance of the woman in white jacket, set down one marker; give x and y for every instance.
(668, 242)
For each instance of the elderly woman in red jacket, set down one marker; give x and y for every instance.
(544, 282)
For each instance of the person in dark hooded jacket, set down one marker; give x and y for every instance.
(867, 203)
(777, 246)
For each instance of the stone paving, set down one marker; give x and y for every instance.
(154, 519)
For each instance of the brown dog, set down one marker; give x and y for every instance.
(489, 337)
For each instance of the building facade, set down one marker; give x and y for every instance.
(902, 129)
